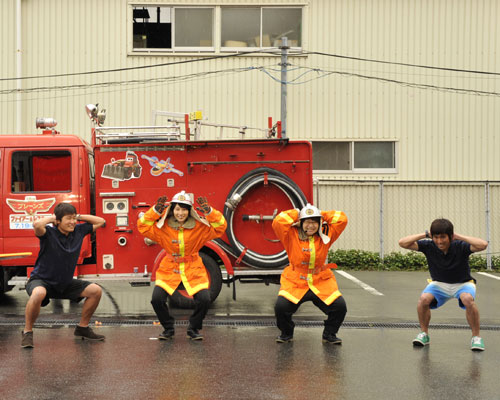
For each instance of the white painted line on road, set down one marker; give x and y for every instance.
(368, 288)
(489, 275)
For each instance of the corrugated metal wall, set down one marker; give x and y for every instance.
(441, 134)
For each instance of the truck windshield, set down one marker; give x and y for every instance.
(41, 171)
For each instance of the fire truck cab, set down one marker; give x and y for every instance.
(120, 176)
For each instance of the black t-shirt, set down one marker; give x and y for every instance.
(452, 267)
(58, 254)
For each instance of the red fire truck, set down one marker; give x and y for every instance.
(122, 173)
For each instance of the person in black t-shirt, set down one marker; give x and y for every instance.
(52, 276)
(448, 259)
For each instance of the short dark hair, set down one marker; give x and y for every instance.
(442, 225)
(63, 209)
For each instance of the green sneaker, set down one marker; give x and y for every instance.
(422, 339)
(477, 344)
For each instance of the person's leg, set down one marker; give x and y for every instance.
(159, 303)
(335, 312)
(424, 311)
(283, 310)
(201, 305)
(33, 306)
(471, 312)
(92, 294)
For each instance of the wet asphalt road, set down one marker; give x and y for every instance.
(241, 360)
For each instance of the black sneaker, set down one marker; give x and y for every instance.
(86, 333)
(27, 341)
(331, 338)
(166, 334)
(194, 334)
(284, 338)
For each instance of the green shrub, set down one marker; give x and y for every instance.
(395, 261)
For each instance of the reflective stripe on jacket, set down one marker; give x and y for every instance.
(307, 257)
(183, 263)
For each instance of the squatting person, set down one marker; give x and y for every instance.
(179, 229)
(52, 277)
(447, 255)
(307, 236)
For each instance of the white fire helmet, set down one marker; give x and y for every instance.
(309, 211)
(183, 198)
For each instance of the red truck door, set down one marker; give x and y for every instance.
(34, 181)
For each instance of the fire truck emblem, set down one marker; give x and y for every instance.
(30, 205)
(124, 169)
(159, 167)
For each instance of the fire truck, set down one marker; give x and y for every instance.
(121, 173)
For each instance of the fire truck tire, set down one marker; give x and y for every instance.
(242, 186)
(180, 298)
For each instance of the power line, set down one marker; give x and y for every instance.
(402, 64)
(239, 54)
(325, 73)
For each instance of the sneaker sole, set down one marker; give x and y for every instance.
(86, 338)
(284, 341)
(165, 337)
(194, 338)
(417, 343)
(476, 349)
(27, 346)
(338, 342)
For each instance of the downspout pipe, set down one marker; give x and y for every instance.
(19, 68)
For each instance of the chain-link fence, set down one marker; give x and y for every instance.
(381, 212)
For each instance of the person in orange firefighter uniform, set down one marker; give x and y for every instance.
(307, 236)
(178, 228)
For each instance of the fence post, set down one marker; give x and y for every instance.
(381, 190)
(488, 216)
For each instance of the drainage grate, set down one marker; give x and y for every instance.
(245, 323)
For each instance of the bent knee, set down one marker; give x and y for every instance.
(467, 299)
(92, 290)
(38, 293)
(425, 300)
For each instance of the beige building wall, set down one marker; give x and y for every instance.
(445, 122)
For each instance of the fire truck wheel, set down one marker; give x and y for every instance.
(181, 299)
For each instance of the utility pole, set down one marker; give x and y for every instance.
(284, 57)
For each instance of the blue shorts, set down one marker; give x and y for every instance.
(443, 292)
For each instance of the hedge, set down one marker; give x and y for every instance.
(395, 261)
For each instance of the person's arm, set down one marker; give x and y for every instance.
(336, 221)
(96, 221)
(39, 225)
(410, 242)
(476, 244)
(282, 224)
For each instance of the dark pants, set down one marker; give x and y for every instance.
(201, 301)
(284, 309)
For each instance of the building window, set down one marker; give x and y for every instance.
(169, 28)
(195, 29)
(355, 156)
(260, 26)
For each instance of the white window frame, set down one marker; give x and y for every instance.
(358, 171)
(261, 7)
(217, 47)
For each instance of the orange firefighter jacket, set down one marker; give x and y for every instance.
(307, 269)
(182, 261)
